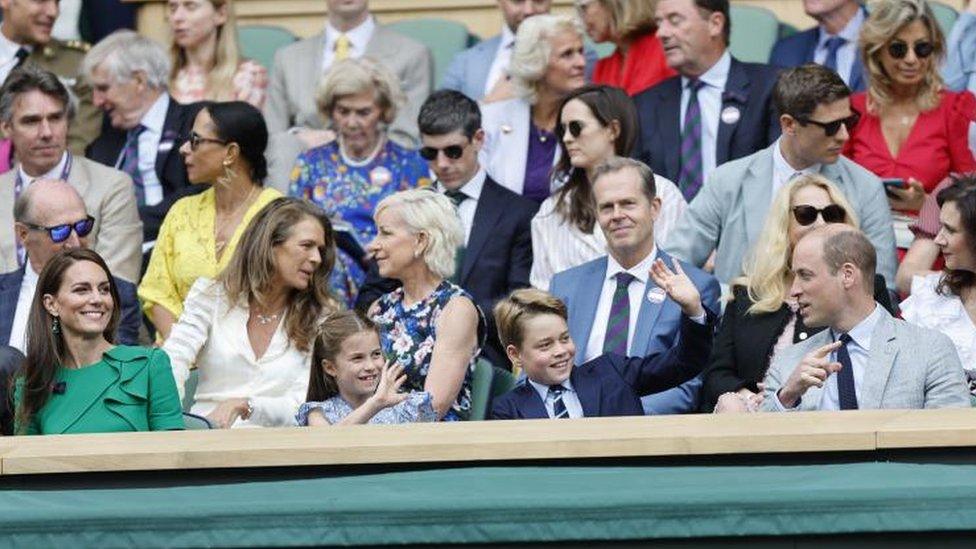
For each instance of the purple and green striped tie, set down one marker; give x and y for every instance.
(130, 162)
(692, 172)
(615, 338)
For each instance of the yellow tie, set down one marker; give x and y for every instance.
(342, 47)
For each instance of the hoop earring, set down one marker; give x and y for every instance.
(228, 176)
(56, 326)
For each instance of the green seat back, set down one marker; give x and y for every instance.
(754, 32)
(503, 382)
(193, 422)
(190, 390)
(260, 42)
(443, 37)
(480, 390)
(945, 15)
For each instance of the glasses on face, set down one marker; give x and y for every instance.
(451, 151)
(899, 49)
(806, 215)
(831, 128)
(195, 139)
(575, 128)
(60, 233)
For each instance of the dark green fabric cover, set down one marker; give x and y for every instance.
(491, 504)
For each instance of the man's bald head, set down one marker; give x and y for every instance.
(47, 203)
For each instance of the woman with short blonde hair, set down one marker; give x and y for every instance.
(358, 76)
(429, 325)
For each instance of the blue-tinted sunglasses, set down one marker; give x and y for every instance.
(60, 233)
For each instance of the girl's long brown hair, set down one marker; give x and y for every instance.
(333, 330)
(46, 350)
(251, 271)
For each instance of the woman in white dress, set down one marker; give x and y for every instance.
(595, 123)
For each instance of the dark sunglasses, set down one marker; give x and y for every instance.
(831, 128)
(899, 49)
(60, 233)
(195, 139)
(451, 151)
(575, 128)
(806, 215)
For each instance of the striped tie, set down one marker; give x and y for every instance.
(559, 410)
(615, 337)
(130, 162)
(691, 174)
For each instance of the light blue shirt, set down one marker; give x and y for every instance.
(959, 70)
(710, 102)
(570, 399)
(847, 52)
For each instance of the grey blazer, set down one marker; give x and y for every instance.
(728, 214)
(910, 367)
(109, 197)
(298, 70)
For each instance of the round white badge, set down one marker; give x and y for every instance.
(730, 115)
(380, 176)
(655, 295)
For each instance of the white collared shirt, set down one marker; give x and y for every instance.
(149, 142)
(783, 172)
(359, 38)
(594, 346)
(570, 399)
(503, 56)
(8, 55)
(18, 330)
(710, 102)
(471, 189)
(53, 173)
(847, 52)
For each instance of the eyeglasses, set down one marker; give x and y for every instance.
(899, 49)
(60, 233)
(575, 128)
(195, 139)
(451, 151)
(831, 128)
(806, 215)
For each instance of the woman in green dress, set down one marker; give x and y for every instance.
(75, 380)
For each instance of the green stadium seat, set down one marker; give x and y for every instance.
(443, 37)
(487, 382)
(754, 32)
(945, 14)
(260, 42)
(190, 390)
(193, 422)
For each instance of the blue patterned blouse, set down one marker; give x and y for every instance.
(350, 192)
(407, 334)
(417, 408)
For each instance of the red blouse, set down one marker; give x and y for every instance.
(643, 67)
(937, 145)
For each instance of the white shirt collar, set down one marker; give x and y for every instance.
(471, 189)
(155, 117)
(358, 36)
(641, 271)
(543, 390)
(30, 275)
(849, 33)
(8, 48)
(781, 165)
(53, 173)
(861, 333)
(717, 75)
(508, 38)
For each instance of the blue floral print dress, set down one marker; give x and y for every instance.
(407, 334)
(349, 192)
(417, 408)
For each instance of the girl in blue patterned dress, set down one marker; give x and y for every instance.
(430, 326)
(350, 384)
(350, 175)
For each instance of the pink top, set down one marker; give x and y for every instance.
(6, 155)
(250, 84)
(643, 67)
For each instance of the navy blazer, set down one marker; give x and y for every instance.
(611, 385)
(169, 163)
(128, 332)
(795, 50)
(497, 259)
(749, 89)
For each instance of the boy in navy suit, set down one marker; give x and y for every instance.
(532, 327)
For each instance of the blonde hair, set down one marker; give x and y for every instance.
(425, 211)
(521, 305)
(631, 18)
(885, 19)
(251, 270)
(767, 267)
(530, 56)
(355, 76)
(227, 56)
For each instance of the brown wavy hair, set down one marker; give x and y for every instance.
(963, 193)
(332, 331)
(250, 274)
(46, 350)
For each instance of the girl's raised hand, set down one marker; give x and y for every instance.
(388, 389)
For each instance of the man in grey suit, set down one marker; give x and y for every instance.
(867, 359)
(728, 213)
(350, 31)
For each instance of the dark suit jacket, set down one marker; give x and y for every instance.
(497, 259)
(128, 332)
(749, 88)
(744, 343)
(795, 50)
(169, 164)
(611, 385)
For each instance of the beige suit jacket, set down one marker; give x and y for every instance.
(109, 198)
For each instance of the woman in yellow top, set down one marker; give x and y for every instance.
(200, 232)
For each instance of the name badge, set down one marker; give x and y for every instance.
(380, 176)
(165, 146)
(730, 115)
(656, 295)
